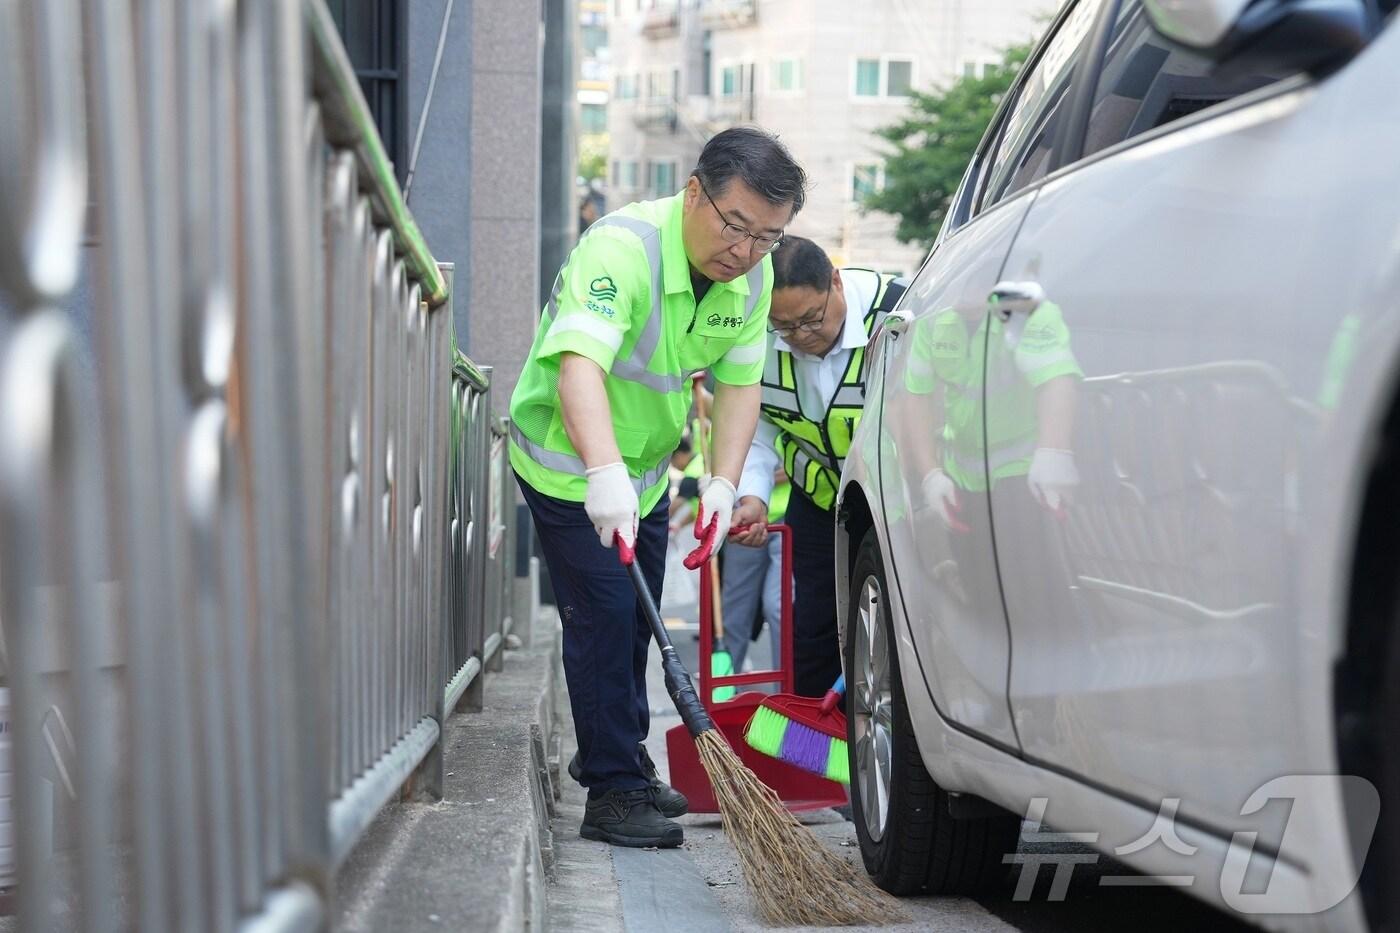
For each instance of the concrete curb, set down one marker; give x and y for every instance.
(477, 859)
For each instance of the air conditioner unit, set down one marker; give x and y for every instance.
(728, 14)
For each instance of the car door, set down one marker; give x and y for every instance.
(1147, 550)
(931, 467)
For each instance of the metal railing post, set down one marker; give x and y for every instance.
(498, 617)
(437, 551)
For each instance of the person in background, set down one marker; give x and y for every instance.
(813, 395)
(687, 491)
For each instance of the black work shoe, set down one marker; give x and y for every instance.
(668, 800)
(629, 818)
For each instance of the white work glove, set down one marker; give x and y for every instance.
(712, 520)
(1052, 477)
(611, 503)
(941, 495)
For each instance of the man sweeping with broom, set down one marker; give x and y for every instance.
(652, 293)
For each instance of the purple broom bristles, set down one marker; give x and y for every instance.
(805, 748)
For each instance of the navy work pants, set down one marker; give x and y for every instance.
(816, 656)
(605, 634)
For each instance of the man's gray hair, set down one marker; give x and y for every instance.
(758, 159)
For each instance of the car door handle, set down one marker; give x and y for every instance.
(897, 322)
(1009, 298)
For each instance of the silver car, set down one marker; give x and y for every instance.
(1118, 531)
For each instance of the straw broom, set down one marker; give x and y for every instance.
(794, 878)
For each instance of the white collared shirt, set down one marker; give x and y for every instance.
(817, 377)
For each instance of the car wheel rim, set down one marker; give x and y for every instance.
(873, 710)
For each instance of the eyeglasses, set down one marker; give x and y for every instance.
(733, 233)
(807, 326)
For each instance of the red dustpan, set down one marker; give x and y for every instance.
(797, 789)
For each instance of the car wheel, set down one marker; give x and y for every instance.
(908, 839)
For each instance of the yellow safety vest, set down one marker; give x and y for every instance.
(813, 452)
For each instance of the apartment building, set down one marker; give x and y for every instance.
(823, 74)
(594, 85)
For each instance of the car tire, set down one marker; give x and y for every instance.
(913, 844)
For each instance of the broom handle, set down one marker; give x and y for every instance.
(716, 606)
(702, 412)
(678, 683)
(833, 696)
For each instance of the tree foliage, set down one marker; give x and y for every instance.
(933, 143)
(593, 157)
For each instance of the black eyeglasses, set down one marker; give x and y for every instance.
(733, 233)
(808, 325)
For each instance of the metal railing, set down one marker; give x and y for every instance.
(256, 534)
(483, 601)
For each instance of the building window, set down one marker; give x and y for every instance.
(735, 80)
(866, 179)
(899, 77)
(617, 174)
(663, 179)
(729, 81)
(888, 76)
(373, 31)
(628, 87)
(630, 175)
(867, 77)
(707, 61)
(786, 76)
(593, 118)
(663, 86)
(593, 36)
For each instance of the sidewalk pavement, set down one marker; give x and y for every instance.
(478, 859)
(698, 888)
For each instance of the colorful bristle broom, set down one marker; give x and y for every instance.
(805, 732)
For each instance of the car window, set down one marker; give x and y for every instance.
(1042, 104)
(960, 207)
(1147, 82)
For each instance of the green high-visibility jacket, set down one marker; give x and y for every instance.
(624, 300)
(813, 452)
(946, 353)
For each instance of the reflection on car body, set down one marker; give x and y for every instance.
(1109, 513)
